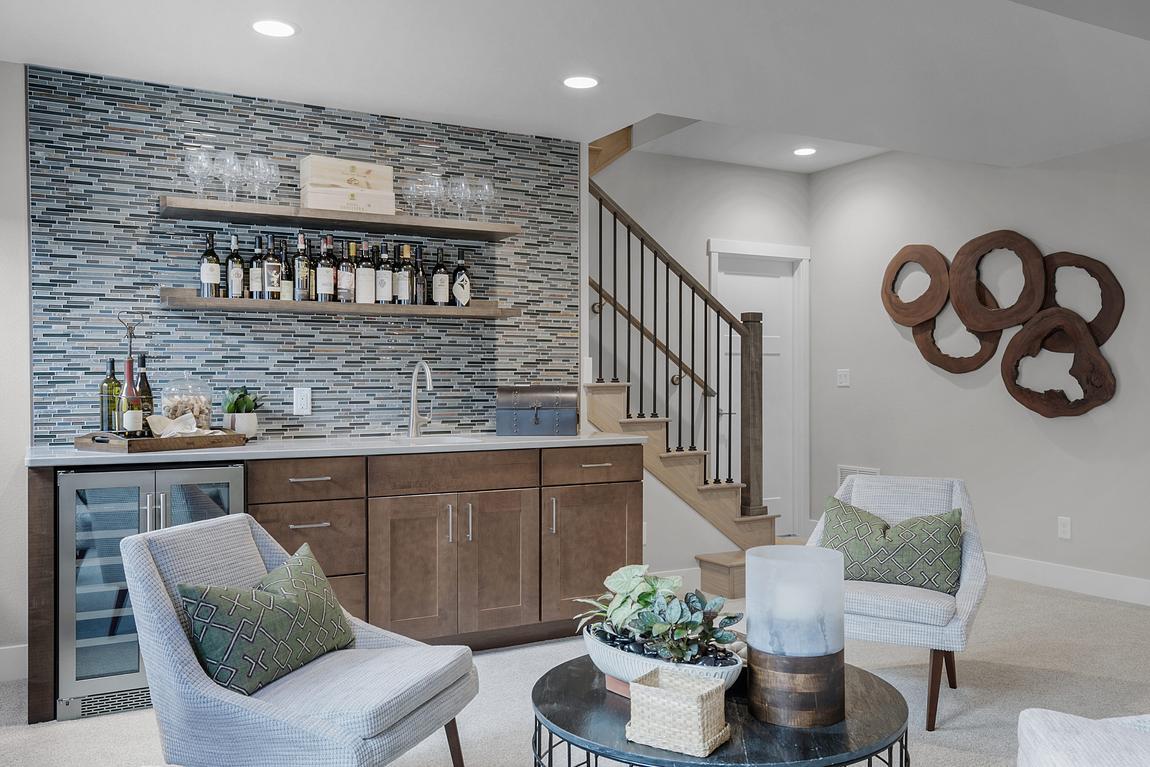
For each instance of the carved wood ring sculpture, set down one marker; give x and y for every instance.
(930, 303)
(1089, 367)
(987, 342)
(1113, 298)
(964, 281)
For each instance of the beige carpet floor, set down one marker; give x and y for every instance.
(1031, 647)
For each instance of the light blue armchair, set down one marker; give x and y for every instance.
(361, 706)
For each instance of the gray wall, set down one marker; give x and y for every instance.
(907, 417)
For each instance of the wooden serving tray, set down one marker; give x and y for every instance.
(113, 442)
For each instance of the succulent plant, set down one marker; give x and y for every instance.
(238, 400)
(682, 630)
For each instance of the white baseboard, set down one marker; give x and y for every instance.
(13, 662)
(690, 575)
(1095, 583)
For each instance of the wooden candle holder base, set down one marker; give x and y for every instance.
(795, 691)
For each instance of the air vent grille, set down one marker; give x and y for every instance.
(846, 471)
(106, 703)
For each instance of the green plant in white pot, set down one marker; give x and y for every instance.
(240, 411)
(642, 623)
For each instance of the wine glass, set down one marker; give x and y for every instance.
(273, 178)
(255, 175)
(230, 171)
(433, 190)
(482, 194)
(198, 167)
(411, 193)
(459, 193)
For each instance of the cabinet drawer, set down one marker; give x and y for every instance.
(587, 465)
(351, 591)
(335, 530)
(305, 479)
(452, 472)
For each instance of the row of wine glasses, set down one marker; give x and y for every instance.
(460, 192)
(259, 175)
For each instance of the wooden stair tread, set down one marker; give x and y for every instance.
(644, 420)
(723, 558)
(685, 453)
(744, 519)
(607, 386)
(721, 487)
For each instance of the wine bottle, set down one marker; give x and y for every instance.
(345, 275)
(236, 271)
(325, 273)
(144, 389)
(460, 283)
(256, 271)
(287, 276)
(403, 275)
(273, 269)
(383, 291)
(365, 276)
(109, 399)
(129, 407)
(303, 270)
(440, 281)
(210, 269)
(419, 287)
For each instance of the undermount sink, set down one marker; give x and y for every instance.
(442, 439)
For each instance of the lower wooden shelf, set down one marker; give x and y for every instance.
(189, 300)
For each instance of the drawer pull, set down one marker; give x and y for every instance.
(309, 525)
(597, 465)
(309, 479)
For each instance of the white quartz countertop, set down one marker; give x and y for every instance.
(62, 455)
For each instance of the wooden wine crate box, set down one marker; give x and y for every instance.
(327, 198)
(319, 172)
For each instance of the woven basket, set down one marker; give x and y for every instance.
(678, 712)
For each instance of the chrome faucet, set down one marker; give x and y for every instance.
(416, 422)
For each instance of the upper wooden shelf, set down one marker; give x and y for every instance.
(202, 209)
(189, 300)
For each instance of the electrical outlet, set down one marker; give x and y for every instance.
(301, 400)
(843, 378)
(1064, 528)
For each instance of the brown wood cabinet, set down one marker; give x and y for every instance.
(498, 559)
(588, 531)
(590, 465)
(335, 530)
(305, 479)
(452, 472)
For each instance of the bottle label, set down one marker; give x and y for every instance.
(210, 274)
(440, 288)
(256, 280)
(462, 290)
(133, 420)
(346, 285)
(236, 281)
(383, 292)
(325, 280)
(287, 290)
(403, 286)
(272, 273)
(364, 285)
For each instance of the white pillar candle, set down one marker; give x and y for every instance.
(795, 600)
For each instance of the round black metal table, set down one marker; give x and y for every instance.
(577, 721)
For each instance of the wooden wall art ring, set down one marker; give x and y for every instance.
(987, 342)
(1113, 298)
(1089, 368)
(964, 282)
(930, 303)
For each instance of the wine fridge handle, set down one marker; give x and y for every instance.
(148, 522)
(450, 526)
(163, 511)
(554, 515)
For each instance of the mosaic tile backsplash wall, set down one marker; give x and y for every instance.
(101, 152)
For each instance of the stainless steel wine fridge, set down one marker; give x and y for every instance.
(99, 668)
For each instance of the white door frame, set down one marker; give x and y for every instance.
(800, 257)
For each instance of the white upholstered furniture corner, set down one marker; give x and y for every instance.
(904, 615)
(1053, 739)
(357, 707)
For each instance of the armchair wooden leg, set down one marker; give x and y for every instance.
(453, 743)
(936, 663)
(952, 680)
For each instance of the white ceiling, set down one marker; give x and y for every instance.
(750, 146)
(984, 80)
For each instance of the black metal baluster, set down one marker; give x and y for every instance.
(718, 393)
(642, 319)
(694, 368)
(614, 294)
(706, 378)
(667, 352)
(730, 397)
(679, 447)
(602, 303)
(627, 322)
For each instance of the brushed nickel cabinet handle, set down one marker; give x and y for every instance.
(309, 479)
(309, 525)
(469, 523)
(597, 465)
(554, 516)
(450, 526)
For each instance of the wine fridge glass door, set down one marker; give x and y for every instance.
(196, 494)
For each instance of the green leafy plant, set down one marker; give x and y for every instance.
(682, 630)
(629, 590)
(238, 400)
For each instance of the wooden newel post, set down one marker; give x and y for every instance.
(751, 415)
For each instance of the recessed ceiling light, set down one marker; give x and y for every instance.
(805, 151)
(273, 28)
(581, 81)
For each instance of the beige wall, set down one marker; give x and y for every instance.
(907, 417)
(14, 372)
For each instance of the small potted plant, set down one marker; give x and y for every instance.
(641, 623)
(240, 411)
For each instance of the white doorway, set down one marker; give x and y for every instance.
(774, 280)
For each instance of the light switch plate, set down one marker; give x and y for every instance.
(843, 377)
(301, 400)
(1064, 528)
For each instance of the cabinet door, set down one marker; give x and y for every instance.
(587, 532)
(411, 569)
(498, 536)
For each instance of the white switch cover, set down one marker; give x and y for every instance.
(843, 377)
(1064, 528)
(301, 400)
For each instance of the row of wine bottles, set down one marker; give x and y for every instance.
(359, 273)
(125, 407)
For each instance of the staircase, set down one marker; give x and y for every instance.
(668, 358)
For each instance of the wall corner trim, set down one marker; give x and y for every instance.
(1080, 580)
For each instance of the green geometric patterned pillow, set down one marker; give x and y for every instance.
(925, 552)
(248, 638)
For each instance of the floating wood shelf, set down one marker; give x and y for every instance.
(188, 299)
(201, 209)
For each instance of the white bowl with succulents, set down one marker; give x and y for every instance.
(641, 624)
